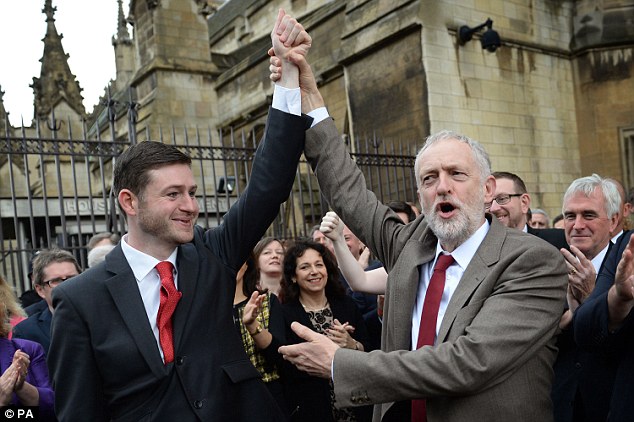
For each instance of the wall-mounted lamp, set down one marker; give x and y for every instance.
(226, 184)
(490, 39)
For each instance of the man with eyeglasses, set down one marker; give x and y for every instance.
(511, 205)
(583, 381)
(50, 269)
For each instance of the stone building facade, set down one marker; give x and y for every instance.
(552, 103)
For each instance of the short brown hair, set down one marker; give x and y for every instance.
(48, 257)
(132, 167)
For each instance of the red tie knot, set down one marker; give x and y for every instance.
(165, 270)
(444, 261)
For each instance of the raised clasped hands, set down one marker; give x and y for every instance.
(289, 37)
(288, 57)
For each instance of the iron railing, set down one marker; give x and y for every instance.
(56, 192)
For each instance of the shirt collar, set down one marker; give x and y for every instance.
(616, 236)
(142, 263)
(464, 253)
(598, 260)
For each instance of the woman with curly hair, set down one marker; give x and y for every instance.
(314, 297)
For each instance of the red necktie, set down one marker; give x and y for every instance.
(429, 316)
(169, 299)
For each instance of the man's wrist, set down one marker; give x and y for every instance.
(290, 75)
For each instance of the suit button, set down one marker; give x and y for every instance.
(578, 365)
(198, 404)
(180, 360)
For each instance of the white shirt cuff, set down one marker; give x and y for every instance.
(287, 100)
(318, 115)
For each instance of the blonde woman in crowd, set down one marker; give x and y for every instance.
(24, 380)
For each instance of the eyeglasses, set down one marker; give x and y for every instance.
(502, 199)
(57, 281)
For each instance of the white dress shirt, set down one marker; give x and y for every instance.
(148, 281)
(462, 255)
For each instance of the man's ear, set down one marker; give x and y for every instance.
(525, 200)
(613, 222)
(489, 189)
(39, 289)
(128, 201)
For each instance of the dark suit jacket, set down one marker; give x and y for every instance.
(577, 378)
(36, 328)
(309, 397)
(495, 347)
(556, 237)
(37, 374)
(104, 359)
(591, 332)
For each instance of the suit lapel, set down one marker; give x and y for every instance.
(488, 254)
(187, 280)
(125, 293)
(415, 253)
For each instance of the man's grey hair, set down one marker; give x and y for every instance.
(542, 212)
(587, 185)
(98, 254)
(479, 154)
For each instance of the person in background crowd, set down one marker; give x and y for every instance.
(51, 268)
(590, 207)
(317, 236)
(404, 210)
(511, 206)
(103, 239)
(539, 219)
(13, 308)
(266, 272)
(314, 297)
(415, 209)
(481, 366)
(558, 222)
(24, 380)
(256, 315)
(98, 254)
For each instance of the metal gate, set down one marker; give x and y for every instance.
(55, 192)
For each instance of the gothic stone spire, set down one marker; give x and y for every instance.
(56, 82)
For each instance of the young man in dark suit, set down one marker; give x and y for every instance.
(116, 353)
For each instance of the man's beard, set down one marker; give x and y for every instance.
(455, 231)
